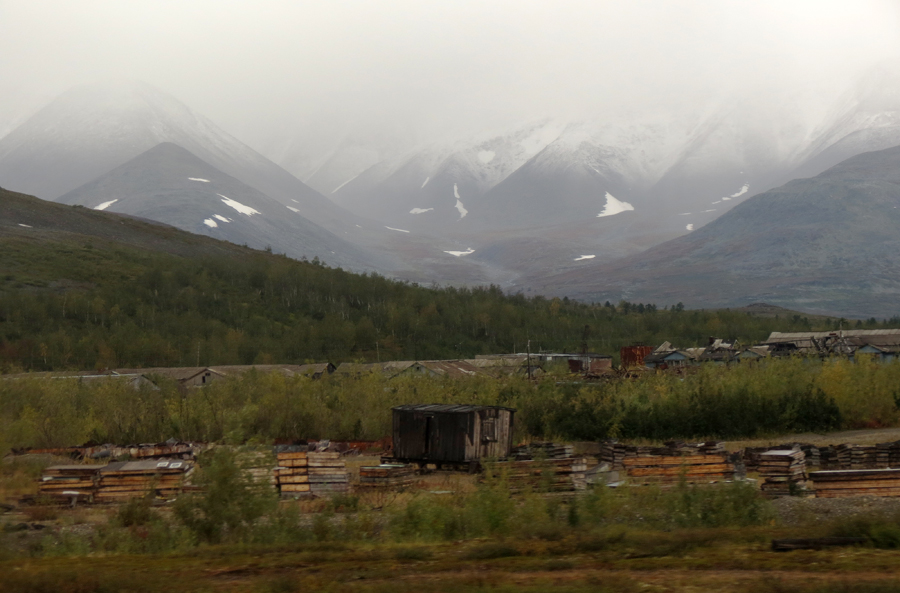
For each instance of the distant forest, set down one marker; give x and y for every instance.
(79, 306)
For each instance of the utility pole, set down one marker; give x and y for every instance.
(528, 350)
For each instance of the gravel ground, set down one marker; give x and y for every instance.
(796, 510)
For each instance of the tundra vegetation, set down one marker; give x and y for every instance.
(741, 401)
(452, 533)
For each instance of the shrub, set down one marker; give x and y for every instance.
(231, 502)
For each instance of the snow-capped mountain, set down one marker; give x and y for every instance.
(829, 244)
(432, 187)
(168, 184)
(91, 129)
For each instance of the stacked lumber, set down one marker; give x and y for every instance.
(386, 475)
(543, 475)
(888, 454)
(543, 450)
(259, 465)
(783, 472)
(856, 482)
(614, 453)
(814, 455)
(309, 472)
(131, 479)
(291, 475)
(64, 481)
(327, 473)
(671, 469)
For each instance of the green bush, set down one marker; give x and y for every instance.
(231, 502)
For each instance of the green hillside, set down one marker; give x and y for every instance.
(82, 289)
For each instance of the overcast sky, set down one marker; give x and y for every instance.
(260, 68)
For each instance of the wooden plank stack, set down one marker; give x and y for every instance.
(859, 482)
(671, 469)
(544, 450)
(327, 474)
(783, 472)
(543, 475)
(58, 479)
(614, 453)
(310, 473)
(291, 475)
(121, 481)
(387, 475)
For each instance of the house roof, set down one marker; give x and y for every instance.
(448, 408)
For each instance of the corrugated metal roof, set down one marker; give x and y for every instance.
(448, 408)
(847, 333)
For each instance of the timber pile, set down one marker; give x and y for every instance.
(621, 457)
(387, 475)
(545, 475)
(784, 472)
(614, 453)
(308, 472)
(132, 479)
(859, 482)
(259, 465)
(542, 451)
(671, 469)
(814, 455)
(291, 475)
(59, 479)
(327, 474)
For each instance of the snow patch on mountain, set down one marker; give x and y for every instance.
(614, 206)
(468, 251)
(210, 223)
(105, 205)
(345, 183)
(198, 179)
(292, 209)
(390, 228)
(459, 205)
(486, 156)
(690, 227)
(27, 226)
(238, 206)
(424, 183)
(420, 210)
(222, 218)
(742, 191)
(584, 257)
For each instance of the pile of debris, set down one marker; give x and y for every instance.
(170, 448)
(541, 475)
(783, 472)
(860, 482)
(302, 472)
(387, 475)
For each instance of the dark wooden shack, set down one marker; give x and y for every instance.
(446, 434)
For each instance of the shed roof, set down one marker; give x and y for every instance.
(448, 408)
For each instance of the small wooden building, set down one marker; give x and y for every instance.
(446, 434)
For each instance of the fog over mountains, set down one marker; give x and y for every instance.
(532, 208)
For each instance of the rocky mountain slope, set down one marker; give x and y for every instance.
(829, 243)
(168, 184)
